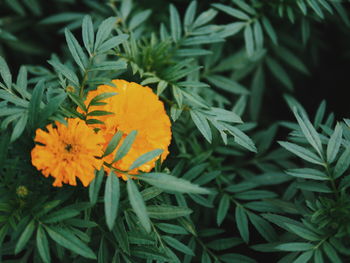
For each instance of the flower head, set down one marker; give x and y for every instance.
(67, 152)
(135, 107)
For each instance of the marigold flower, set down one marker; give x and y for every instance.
(135, 107)
(67, 152)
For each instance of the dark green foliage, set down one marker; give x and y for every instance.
(235, 187)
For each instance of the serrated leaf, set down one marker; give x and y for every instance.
(269, 29)
(227, 84)
(167, 212)
(145, 158)
(176, 244)
(25, 236)
(65, 71)
(5, 73)
(202, 124)
(334, 143)
(125, 147)
(232, 11)
(249, 40)
(42, 245)
(223, 208)
(111, 199)
(112, 43)
(309, 131)
(302, 152)
(295, 246)
(139, 18)
(172, 183)
(138, 205)
(88, 34)
(175, 24)
(66, 239)
(104, 30)
(75, 49)
(242, 223)
(342, 163)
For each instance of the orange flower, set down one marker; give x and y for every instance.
(67, 152)
(135, 108)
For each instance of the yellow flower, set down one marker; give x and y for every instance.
(135, 107)
(67, 152)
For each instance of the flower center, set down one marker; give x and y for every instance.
(68, 147)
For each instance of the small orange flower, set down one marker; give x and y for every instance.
(67, 152)
(135, 107)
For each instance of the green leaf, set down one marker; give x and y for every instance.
(201, 122)
(101, 97)
(19, 127)
(34, 104)
(269, 29)
(242, 223)
(224, 206)
(88, 34)
(303, 232)
(255, 194)
(291, 59)
(172, 183)
(232, 11)
(113, 143)
(309, 131)
(99, 113)
(331, 253)
(42, 245)
(145, 158)
(233, 257)
(126, 145)
(60, 215)
(249, 40)
(65, 71)
(76, 50)
(77, 100)
(138, 204)
(199, 40)
(5, 73)
(257, 90)
(111, 199)
(190, 14)
(224, 243)
(343, 163)
(172, 229)
(112, 43)
(258, 35)
(304, 257)
(263, 227)
(178, 245)
(204, 18)
(175, 24)
(68, 240)
(279, 72)
(227, 84)
(302, 152)
(334, 143)
(295, 246)
(139, 18)
(308, 173)
(167, 212)
(242, 139)
(104, 30)
(25, 236)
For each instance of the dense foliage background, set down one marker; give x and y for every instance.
(257, 97)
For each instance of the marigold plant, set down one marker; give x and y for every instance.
(67, 152)
(134, 107)
(174, 131)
